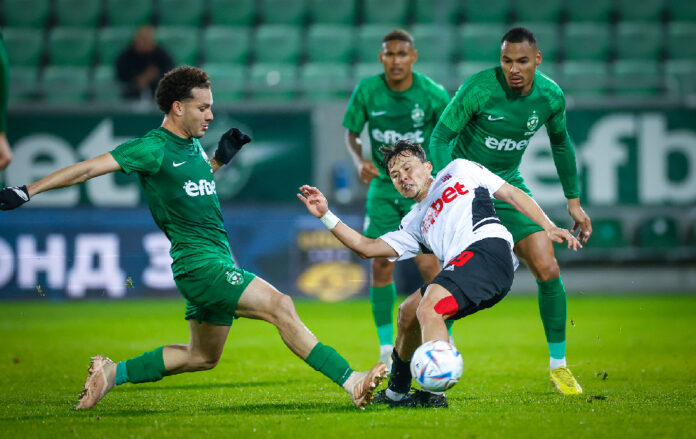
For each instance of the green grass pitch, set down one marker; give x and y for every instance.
(634, 356)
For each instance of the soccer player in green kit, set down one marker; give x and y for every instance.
(490, 121)
(399, 104)
(177, 178)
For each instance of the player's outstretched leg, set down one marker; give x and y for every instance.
(361, 385)
(102, 374)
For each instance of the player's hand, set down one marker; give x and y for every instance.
(12, 197)
(230, 144)
(559, 235)
(367, 171)
(583, 225)
(314, 200)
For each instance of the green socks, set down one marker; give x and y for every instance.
(552, 307)
(382, 300)
(326, 360)
(145, 368)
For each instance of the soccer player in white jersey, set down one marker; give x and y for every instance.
(454, 218)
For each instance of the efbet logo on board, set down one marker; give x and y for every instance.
(417, 114)
(533, 121)
(203, 187)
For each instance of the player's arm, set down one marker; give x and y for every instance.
(229, 145)
(526, 205)
(365, 247)
(366, 169)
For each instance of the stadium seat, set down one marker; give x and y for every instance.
(433, 41)
(128, 12)
(71, 46)
(551, 69)
(232, 12)
(111, 41)
(680, 40)
(385, 11)
(229, 81)
(332, 11)
(680, 10)
(273, 81)
(584, 78)
(24, 46)
(324, 81)
(439, 71)
(465, 69)
(24, 84)
(638, 41)
(637, 78)
(364, 70)
(27, 13)
(547, 36)
(607, 233)
(180, 12)
(643, 10)
(277, 43)
(181, 42)
(330, 43)
(436, 11)
(658, 232)
(370, 40)
(226, 44)
(587, 41)
(480, 42)
(539, 10)
(105, 86)
(680, 77)
(291, 12)
(596, 11)
(490, 11)
(78, 13)
(65, 84)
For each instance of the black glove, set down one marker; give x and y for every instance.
(230, 144)
(12, 197)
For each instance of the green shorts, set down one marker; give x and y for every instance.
(212, 291)
(516, 222)
(384, 209)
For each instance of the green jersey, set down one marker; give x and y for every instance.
(180, 191)
(489, 123)
(395, 115)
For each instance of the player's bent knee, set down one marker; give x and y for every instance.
(548, 270)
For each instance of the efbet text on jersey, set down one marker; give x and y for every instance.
(505, 144)
(203, 187)
(448, 195)
(390, 136)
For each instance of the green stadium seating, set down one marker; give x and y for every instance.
(465, 69)
(23, 84)
(111, 41)
(490, 11)
(105, 87)
(385, 11)
(229, 81)
(638, 41)
(24, 46)
(128, 12)
(480, 42)
(27, 13)
(181, 42)
(550, 69)
(71, 46)
(680, 40)
(637, 78)
(65, 84)
(658, 232)
(226, 44)
(332, 11)
(324, 81)
(680, 10)
(78, 13)
(273, 81)
(539, 10)
(440, 72)
(596, 11)
(607, 233)
(364, 70)
(436, 11)
(680, 77)
(180, 12)
(584, 78)
(547, 36)
(433, 41)
(643, 10)
(370, 40)
(330, 43)
(587, 41)
(232, 12)
(277, 43)
(283, 11)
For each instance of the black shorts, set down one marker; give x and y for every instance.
(479, 277)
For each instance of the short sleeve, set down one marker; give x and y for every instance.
(404, 241)
(483, 176)
(139, 155)
(557, 122)
(356, 113)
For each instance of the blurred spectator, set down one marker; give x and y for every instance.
(142, 64)
(5, 152)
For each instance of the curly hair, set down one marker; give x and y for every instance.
(176, 85)
(402, 147)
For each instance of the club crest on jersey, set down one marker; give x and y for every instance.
(533, 121)
(234, 277)
(417, 114)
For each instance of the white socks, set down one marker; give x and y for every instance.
(556, 363)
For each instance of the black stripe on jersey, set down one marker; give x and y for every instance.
(482, 209)
(425, 250)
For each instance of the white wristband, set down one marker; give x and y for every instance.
(329, 219)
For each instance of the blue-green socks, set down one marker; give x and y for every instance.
(143, 369)
(382, 300)
(326, 360)
(449, 324)
(552, 307)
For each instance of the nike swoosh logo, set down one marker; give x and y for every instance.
(378, 113)
(176, 165)
(493, 119)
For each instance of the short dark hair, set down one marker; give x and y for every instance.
(518, 35)
(402, 147)
(176, 85)
(398, 35)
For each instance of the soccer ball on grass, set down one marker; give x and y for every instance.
(437, 365)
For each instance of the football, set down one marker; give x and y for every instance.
(437, 365)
